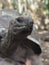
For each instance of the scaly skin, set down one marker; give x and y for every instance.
(17, 32)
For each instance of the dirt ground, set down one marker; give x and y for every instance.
(45, 48)
(45, 53)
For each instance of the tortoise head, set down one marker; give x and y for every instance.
(21, 26)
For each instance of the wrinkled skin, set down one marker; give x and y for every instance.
(17, 32)
(13, 46)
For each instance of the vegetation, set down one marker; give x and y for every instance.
(37, 9)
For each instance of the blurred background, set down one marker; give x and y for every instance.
(39, 11)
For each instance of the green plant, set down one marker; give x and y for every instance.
(46, 6)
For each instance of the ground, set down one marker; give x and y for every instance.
(45, 49)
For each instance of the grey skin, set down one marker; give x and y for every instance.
(13, 46)
(17, 32)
